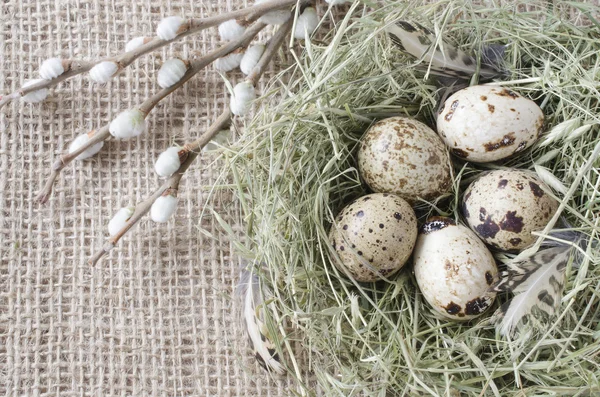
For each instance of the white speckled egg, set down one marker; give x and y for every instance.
(454, 269)
(405, 157)
(504, 206)
(486, 123)
(374, 236)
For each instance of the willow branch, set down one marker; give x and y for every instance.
(194, 25)
(194, 147)
(65, 159)
(171, 183)
(146, 106)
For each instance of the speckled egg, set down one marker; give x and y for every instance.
(485, 123)
(405, 157)
(374, 236)
(454, 269)
(504, 206)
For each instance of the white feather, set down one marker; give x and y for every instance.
(537, 283)
(443, 58)
(264, 349)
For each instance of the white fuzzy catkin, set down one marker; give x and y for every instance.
(231, 30)
(274, 17)
(168, 162)
(51, 68)
(229, 62)
(119, 220)
(82, 140)
(163, 208)
(169, 27)
(128, 124)
(35, 96)
(306, 23)
(251, 58)
(220, 140)
(136, 43)
(243, 95)
(103, 71)
(171, 72)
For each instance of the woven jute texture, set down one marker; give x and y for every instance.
(157, 316)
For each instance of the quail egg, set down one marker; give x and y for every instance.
(374, 236)
(405, 157)
(504, 206)
(453, 269)
(486, 123)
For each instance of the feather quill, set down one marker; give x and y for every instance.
(253, 306)
(443, 58)
(537, 282)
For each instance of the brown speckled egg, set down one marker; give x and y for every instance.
(374, 236)
(486, 123)
(453, 269)
(405, 157)
(504, 206)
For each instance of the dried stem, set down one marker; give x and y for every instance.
(146, 106)
(249, 14)
(194, 147)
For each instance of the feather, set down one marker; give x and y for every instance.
(253, 305)
(442, 58)
(537, 282)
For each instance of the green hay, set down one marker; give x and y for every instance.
(295, 167)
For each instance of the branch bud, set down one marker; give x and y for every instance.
(164, 207)
(171, 72)
(128, 124)
(136, 43)
(53, 67)
(229, 61)
(35, 96)
(306, 23)
(103, 71)
(82, 140)
(170, 160)
(231, 30)
(251, 58)
(243, 95)
(119, 220)
(171, 27)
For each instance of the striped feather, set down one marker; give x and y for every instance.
(443, 59)
(537, 283)
(252, 311)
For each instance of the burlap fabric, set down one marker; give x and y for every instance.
(156, 317)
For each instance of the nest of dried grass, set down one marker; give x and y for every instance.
(295, 167)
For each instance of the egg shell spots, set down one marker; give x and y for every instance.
(374, 236)
(405, 157)
(453, 269)
(484, 123)
(504, 206)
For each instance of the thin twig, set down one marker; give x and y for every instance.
(194, 147)
(194, 25)
(146, 106)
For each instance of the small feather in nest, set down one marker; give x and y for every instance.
(248, 290)
(443, 58)
(537, 282)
